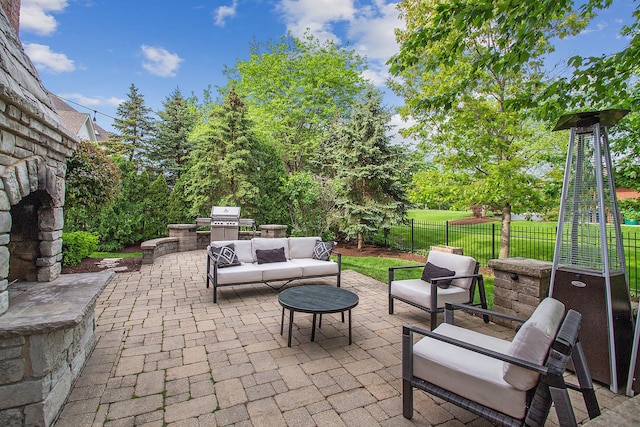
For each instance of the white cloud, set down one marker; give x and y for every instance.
(94, 101)
(35, 15)
(224, 12)
(398, 123)
(46, 60)
(159, 61)
(319, 16)
(373, 32)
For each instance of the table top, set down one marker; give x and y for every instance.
(318, 299)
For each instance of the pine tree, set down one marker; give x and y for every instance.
(135, 127)
(372, 172)
(168, 154)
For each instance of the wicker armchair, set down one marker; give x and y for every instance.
(509, 383)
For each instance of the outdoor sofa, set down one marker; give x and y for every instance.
(269, 260)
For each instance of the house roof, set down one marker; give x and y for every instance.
(75, 121)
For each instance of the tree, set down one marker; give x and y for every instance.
(169, 151)
(469, 72)
(371, 172)
(92, 181)
(225, 166)
(294, 89)
(135, 127)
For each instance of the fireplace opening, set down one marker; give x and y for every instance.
(24, 244)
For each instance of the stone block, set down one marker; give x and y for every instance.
(4, 239)
(12, 418)
(11, 186)
(50, 235)
(4, 262)
(4, 201)
(11, 371)
(11, 342)
(5, 222)
(51, 219)
(32, 167)
(47, 274)
(22, 175)
(50, 248)
(47, 352)
(21, 394)
(7, 143)
(4, 284)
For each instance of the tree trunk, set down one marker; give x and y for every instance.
(505, 233)
(360, 240)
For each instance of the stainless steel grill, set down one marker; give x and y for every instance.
(225, 223)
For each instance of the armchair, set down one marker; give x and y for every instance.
(509, 383)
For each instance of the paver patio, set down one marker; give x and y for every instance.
(168, 356)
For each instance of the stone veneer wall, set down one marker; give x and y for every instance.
(34, 146)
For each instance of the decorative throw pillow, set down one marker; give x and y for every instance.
(266, 256)
(322, 250)
(225, 256)
(432, 271)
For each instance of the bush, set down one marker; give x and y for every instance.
(76, 246)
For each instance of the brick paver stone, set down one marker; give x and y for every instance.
(190, 408)
(150, 383)
(132, 407)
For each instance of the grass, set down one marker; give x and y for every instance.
(115, 255)
(435, 215)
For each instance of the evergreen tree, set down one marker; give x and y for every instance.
(169, 152)
(135, 127)
(372, 174)
(223, 162)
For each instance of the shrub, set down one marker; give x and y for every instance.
(76, 246)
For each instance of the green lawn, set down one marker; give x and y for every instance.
(434, 215)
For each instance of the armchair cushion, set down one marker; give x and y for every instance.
(532, 343)
(466, 373)
(462, 265)
(417, 291)
(432, 271)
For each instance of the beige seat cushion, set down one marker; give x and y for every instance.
(532, 342)
(468, 374)
(462, 265)
(246, 272)
(315, 267)
(280, 271)
(302, 247)
(419, 291)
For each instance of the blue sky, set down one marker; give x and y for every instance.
(90, 51)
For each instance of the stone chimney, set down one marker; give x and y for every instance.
(12, 11)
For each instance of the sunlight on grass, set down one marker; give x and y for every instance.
(434, 215)
(115, 255)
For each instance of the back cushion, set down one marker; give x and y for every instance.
(243, 248)
(462, 265)
(532, 343)
(264, 243)
(302, 247)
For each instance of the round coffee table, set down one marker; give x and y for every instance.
(316, 299)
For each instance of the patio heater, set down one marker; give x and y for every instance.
(589, 273)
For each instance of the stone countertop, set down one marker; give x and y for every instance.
(37, 307)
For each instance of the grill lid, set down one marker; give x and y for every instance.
(225, 212)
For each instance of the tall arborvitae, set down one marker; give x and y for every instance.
(134, 127)
(168, 153)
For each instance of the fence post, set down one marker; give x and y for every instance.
(446, 233)
(412, 247)
(493, 240)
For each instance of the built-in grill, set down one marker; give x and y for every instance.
(225, 223)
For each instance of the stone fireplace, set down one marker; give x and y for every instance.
(47, 328)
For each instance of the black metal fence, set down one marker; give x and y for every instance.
(482, 242)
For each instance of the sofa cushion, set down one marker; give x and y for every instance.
(243, 248)
(432, 271)
(280, 271)
(242, 273)
(225, 256)
(417, 291)
(467, 373)
(263, 243)
(315, 267)
(322, 250)
(462, 265)
(266, 256)
(301, 247)
(532, 343)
